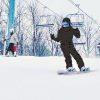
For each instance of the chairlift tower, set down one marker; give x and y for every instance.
(11, 11)
(11, 16)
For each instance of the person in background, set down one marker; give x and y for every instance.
(13, 43)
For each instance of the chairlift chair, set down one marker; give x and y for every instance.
(77, 19)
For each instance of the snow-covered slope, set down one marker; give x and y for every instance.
(35, 78)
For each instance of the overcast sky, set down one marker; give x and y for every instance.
(62, 7)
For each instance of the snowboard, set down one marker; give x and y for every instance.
(64, 72)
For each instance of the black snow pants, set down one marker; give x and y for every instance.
(68, 51)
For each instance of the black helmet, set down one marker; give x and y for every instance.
(67, 20)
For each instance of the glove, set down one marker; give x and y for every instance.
(77, 29)
(52, 36)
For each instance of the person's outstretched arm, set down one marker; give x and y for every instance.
(57, 39)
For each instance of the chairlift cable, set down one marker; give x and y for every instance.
(48, 8)
(72, 2)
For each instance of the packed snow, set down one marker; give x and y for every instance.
(36, 78)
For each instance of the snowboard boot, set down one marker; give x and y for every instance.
(84, 69)
(71, 69)
(15, 54)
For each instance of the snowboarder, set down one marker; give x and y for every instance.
(65, 36)
(12, 44)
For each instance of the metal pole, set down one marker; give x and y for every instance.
(11, 11)
(11, 16)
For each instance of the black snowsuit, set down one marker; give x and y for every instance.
(65, 36)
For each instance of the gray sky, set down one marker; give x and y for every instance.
(62, 7)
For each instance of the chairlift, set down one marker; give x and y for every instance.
(77, 19)
(44, 25)
(44, 21)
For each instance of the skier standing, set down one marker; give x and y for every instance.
(65, 36)
(12, 44)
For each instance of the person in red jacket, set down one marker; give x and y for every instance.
(65, 36)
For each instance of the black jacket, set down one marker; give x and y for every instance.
(65, 35)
